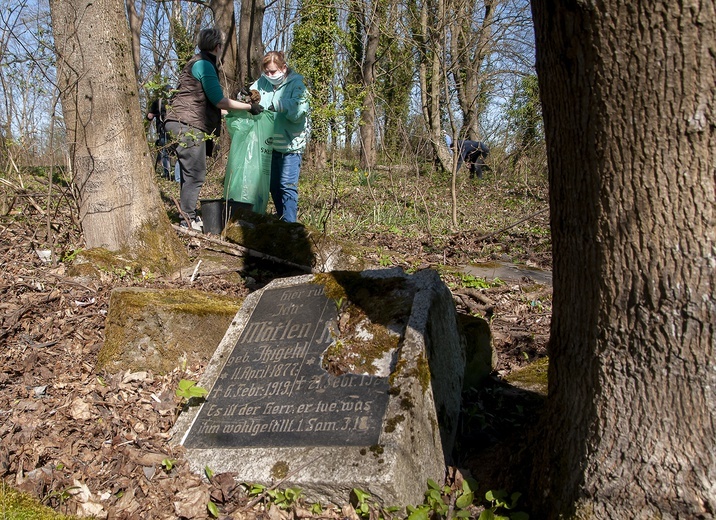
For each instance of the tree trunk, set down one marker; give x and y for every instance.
(251, 44)
(136, 18)
(371, 18)
(470, 51)
(431, 81)
(120, 207)
(224, 20)
(628, 94)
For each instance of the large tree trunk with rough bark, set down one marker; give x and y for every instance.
(251, 47)
(225, 20)
(120, 207)
(629, 98)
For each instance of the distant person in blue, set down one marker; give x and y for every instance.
(194, 118)
(284, 92)
(472, 153)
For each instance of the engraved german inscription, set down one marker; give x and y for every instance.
(273, 392)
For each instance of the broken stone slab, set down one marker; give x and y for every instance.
(331, 382)
(162, 329)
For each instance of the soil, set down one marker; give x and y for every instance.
(92, 443)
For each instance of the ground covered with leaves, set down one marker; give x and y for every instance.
(88, 442)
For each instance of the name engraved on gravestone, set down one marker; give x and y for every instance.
(273, 392)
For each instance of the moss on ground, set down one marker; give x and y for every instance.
(19, 506)
(532, 377)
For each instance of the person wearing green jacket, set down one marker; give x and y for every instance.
(284, 92)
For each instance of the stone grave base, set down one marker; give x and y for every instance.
(333, 382)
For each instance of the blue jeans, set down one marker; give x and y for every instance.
(285, 168)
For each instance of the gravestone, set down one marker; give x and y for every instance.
(272, 390)
(277, 410)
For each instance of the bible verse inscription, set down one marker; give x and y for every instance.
(273, 391)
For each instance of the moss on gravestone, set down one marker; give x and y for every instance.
(158, 330)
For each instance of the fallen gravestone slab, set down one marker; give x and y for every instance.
(161, 329)
(332, 382)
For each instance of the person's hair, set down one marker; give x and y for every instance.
(275, 57)
(209, 39)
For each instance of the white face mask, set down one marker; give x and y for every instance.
(276, 79)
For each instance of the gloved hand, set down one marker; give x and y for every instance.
(254, 96)
(255, 109)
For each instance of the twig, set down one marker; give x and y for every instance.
(238, 250)
(485, 237)
(184, 215)
(196, 270)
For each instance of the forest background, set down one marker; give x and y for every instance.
(386, 85)
(387, 78)
(627, 94)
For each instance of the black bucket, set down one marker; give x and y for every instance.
(235, 209)
(213, 215)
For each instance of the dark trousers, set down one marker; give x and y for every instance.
(473, 153)
(191, 155)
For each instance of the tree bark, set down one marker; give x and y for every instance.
(628, 92)
(469, 50)
(120, 207)
(224, 20)
(136, 18)
(251, 44)
(371, 18)
(430, 49)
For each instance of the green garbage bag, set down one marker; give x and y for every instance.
(248, 170)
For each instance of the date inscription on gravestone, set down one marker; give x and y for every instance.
(273, 392)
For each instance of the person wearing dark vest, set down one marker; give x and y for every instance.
(194, 118)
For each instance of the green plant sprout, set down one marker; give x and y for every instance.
(168, 464)
(284, 499)
(213, 509)
(359, 501)
(499, 503)
(475, 282)
(437, 500)
(61, 495)
(188, 389)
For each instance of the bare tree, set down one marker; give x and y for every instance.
(136, 18)
(120, 208)
(372, 11)
(470, 44)
(225, 20)
(628, 94)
